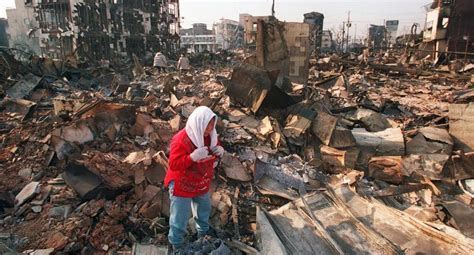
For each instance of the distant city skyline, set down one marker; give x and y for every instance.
(363, 12)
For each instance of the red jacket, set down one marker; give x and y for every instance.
(190, 178)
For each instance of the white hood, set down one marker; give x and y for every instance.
(196, 125)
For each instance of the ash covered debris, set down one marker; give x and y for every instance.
(365, 154)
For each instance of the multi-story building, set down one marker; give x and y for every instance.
(249, 23)
(3, 32)
(392, 28)
(103, 29)
(449, 27)
(316, 20)
(229, 34)
(377, 37)
(198, 39)
(23, 27)
(327, 43)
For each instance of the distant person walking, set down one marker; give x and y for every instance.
(160, 62)
(183, 64)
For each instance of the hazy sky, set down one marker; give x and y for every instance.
(363, 12)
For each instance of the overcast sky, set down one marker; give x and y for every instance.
(363, 12)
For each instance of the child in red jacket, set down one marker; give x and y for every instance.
(193, 152)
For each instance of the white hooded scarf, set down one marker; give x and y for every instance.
(196, 125)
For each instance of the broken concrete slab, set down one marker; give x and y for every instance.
(342, 138)
(339, 158)
(61, 212)
(267, 238)
(437, 134)
(21, 106)
(62, 104)
(265, 126)
(400, 189)
(279, 173)
(462, 215)
(461, 166)
(252, 87)
(24, 86)
(234, 169)
(84, 182)
(386, 168)
(389, 142)
(323, 126)
(333, 231)
(371, 120)
(269, 186)
(461, 121)
(30, 190)
(406, 232)
(297, 124)
(155, 174)
(428, 165)
(41, 252)
(150, 249)
(420, 145)
(114, 173)
(235, 115)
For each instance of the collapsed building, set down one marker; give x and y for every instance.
(96, 30)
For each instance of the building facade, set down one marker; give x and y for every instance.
(249, 23)
(327, 44)
(229, 34)
(198, 39)
(95, 30)
(377, 37)
(316, 20)
(449, 27)
(23, 27)
(3, 33)
(392, 29)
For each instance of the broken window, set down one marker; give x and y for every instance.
(445, 22)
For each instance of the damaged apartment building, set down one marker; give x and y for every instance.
(449, 28)
(103, 29)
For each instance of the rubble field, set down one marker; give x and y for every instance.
(367, 156)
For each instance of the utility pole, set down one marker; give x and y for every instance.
(349, 24)
(273, 8)
(343, 33)
(355, 34)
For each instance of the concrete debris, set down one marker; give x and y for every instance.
(461, 118)
(389, 142)
(330, 154)
(24, 87)
(323, 127)
(234, 169)
(27, 193)
(430, 140)
(150, 249)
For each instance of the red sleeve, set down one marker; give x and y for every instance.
(179, 157)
